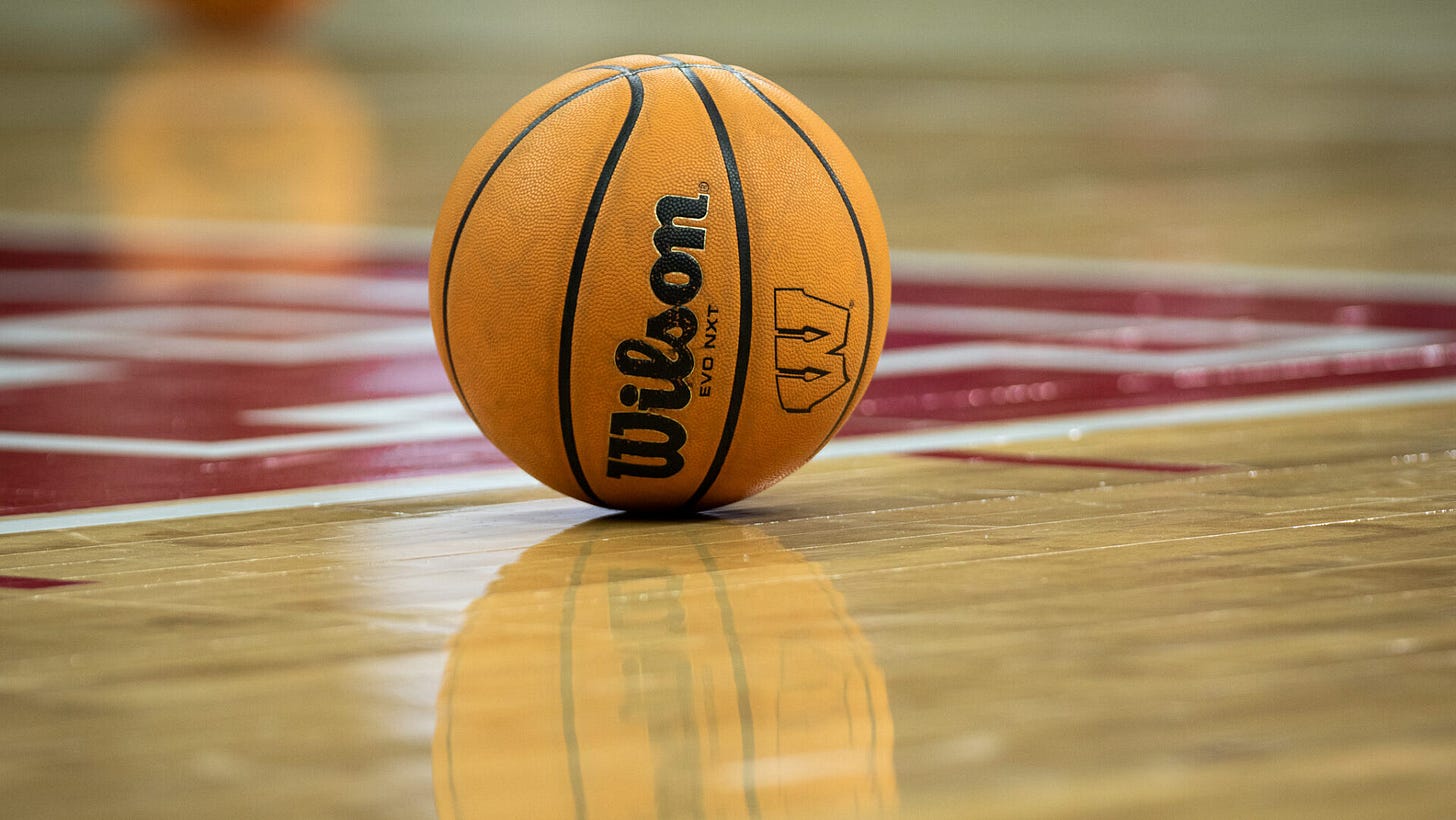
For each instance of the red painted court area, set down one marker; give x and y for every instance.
(183, 377)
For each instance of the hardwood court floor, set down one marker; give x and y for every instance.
(1186, 553)
(1020, 640)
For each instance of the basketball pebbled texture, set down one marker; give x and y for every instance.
(659, 282)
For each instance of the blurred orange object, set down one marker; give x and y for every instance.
(222, 130)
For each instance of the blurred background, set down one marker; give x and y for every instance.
(1287, 133)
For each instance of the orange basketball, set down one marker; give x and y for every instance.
(659, 282)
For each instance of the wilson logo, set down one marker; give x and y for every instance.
(645, 441)
(808, 348)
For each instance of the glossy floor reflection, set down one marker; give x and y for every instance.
(629, 669)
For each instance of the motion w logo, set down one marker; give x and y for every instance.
(808, 348)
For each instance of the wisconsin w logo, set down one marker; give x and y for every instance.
(808, 348)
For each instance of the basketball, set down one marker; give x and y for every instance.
(659, 283)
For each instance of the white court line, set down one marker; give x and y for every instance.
(437, 485)
(360, 412)
(181, 333)
(1168, 415)
(1147, 329)
(972, 435)
(18, 371)
(1175, 277)
(438, 429)
(963, 356)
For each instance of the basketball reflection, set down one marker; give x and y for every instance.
(629, 669)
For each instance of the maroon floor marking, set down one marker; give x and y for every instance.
(1048, 461)
(154, 392)
(22, 582)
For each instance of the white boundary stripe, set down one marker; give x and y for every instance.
(458, 427)
(1053, 427)
(185, 334)
(361, 412)
(963, 356)
(440, 485)
(1169, 415)
(19, 371)
(1185, 330)
(951, 267)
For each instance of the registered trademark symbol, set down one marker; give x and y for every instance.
(702, 187)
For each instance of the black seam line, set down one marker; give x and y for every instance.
(465, 217)
(740, 679)
(863, 250)
(745, 287)
(573, 287)
(567, 683)
(847, 626)
(447, 714)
